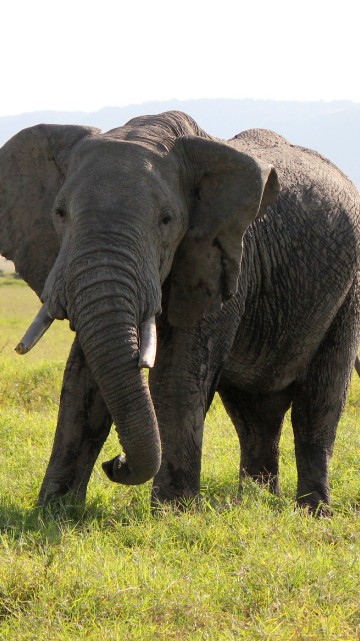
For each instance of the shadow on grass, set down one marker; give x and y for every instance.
(48, 524)
(62, 515)
(220, 496)
(105, 511)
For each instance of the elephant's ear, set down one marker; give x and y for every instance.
(32, 168)
(231, 190)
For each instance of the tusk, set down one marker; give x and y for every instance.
(37, 329)
(147, 343)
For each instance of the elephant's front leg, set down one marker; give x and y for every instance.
(182, 386)
(83, 426)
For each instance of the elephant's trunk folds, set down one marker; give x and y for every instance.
(106, 306)
(112, 354)
(43, 321)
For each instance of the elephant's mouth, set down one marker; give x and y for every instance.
(43, 320)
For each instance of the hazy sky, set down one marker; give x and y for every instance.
(87, 54)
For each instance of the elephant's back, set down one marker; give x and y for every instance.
(303, 173)
(299, 262)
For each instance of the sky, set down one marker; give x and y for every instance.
(83, 55)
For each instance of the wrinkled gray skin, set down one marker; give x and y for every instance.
(92, 222)
(288, 338)
(144, 206)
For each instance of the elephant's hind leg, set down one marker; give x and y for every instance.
(258, 420)
(319, 399)
(83, 426)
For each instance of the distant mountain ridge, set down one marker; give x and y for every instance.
(332, 128)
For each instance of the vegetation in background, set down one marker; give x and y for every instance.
(254, 570)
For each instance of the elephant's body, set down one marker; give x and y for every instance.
(289, 336)
(299, 264)
(109, 228)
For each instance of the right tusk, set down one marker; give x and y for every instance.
(37, 329)
(147, 343)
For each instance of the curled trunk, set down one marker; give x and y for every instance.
(104, 309)
(114, 358)
(106, 290)
(113, 355)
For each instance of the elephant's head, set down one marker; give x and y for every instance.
(96, 222)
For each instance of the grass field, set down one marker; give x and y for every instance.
(259, 570)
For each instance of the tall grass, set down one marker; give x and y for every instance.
(255, 570)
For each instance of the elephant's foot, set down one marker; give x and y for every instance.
(180, 500)
(314, 503)
(264, 478)
(316, 509)
(71, 482)
(176, 486)
(53, 491)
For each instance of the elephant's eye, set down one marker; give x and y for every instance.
(60, 212)
(166, 218)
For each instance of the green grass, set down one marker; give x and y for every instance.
(259, 570)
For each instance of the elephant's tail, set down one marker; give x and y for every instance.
(357, 365)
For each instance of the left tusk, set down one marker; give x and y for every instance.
(37, 329)
(147, 343)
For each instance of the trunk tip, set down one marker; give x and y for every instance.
(21, 348)
(119, 471)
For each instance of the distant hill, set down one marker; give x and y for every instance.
(332, 128)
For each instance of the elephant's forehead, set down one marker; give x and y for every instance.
(116, 173)
(112, 169)
(101, 154)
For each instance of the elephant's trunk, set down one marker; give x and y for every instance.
(113, 359)
(43, 320)
(107, 307)
(108, 294)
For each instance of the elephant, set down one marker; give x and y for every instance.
(243, 255)
(288, 339)
(92, 222)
